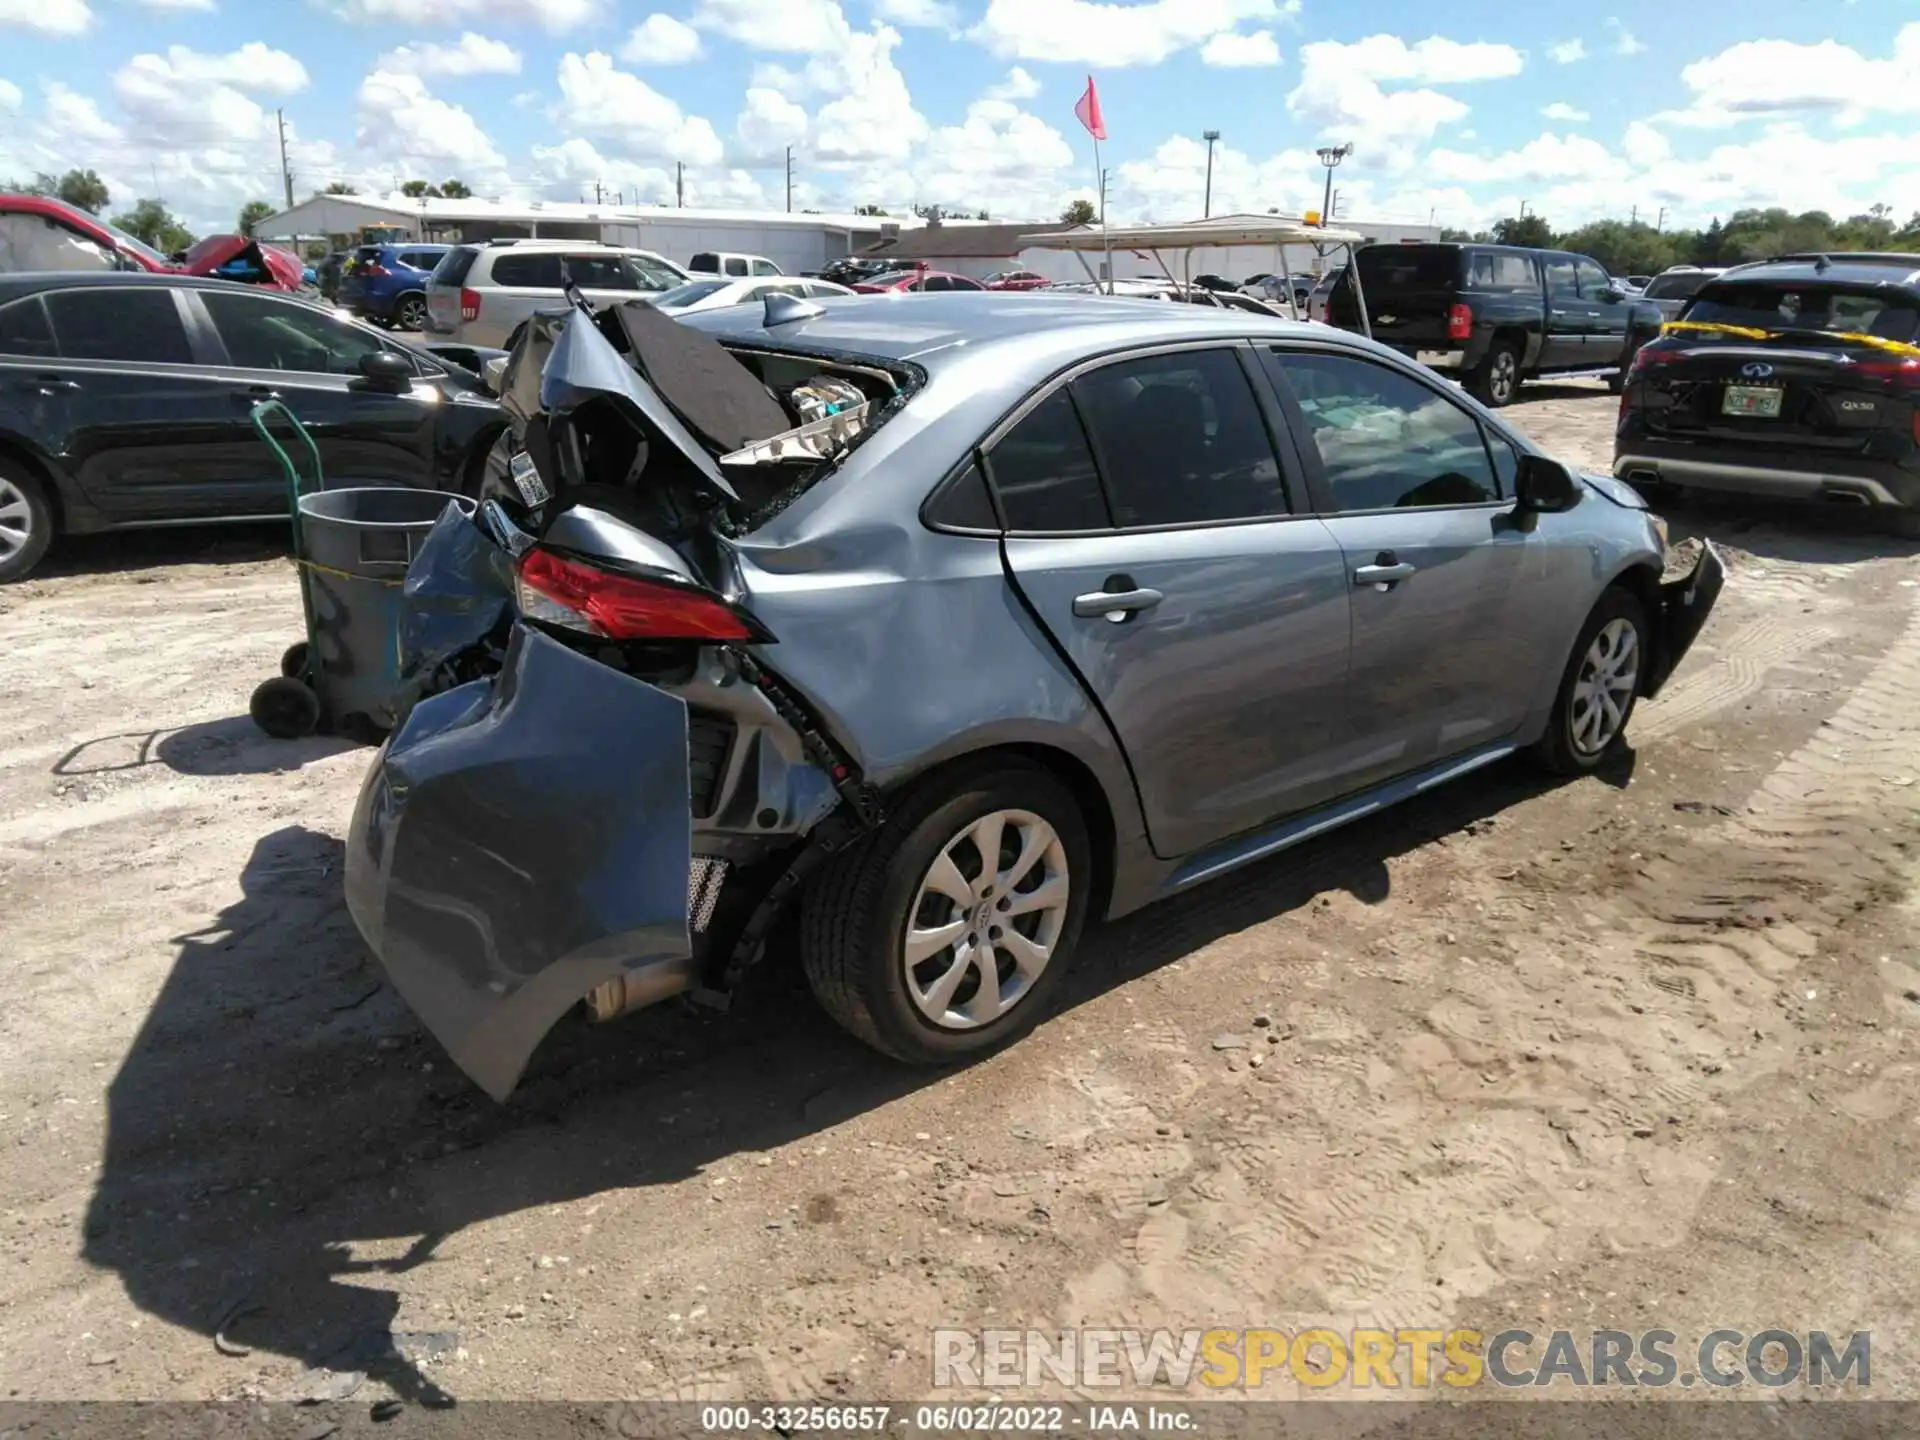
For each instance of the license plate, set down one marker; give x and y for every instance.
(526, 479)
(1758, 402)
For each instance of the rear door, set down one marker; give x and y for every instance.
(307, 359)
(144, 413)
(1409, 290)
(1153, 532)
(1570, 316)
(1445, 657)
(443, 289)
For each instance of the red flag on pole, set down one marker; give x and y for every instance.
(1087, 112)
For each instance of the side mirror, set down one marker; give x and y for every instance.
(384, 373)
(1615, 295)
(1544, 487)
(495, 372)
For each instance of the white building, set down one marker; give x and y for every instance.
(794, 241)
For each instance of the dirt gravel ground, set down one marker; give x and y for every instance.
(1633, 1052)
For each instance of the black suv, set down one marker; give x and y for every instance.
(124, 402)
(1791, 377)
(1496, 315)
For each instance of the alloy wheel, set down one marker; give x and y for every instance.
(986, 920)
(1501, 382)
(413, 314)
(1603, 690)
(16, 519)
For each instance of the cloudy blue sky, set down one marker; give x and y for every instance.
(1458, 111)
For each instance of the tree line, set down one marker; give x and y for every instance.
(1629, 247)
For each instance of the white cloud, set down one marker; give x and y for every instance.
(937, 14)
(796, 26)
(407, 127)
(661, 40)
(472, 54)
(553, 15)
(999, 158)
(202, 5)
(873, 116)
(1567, 51)
(47, 17)
(1624, 40)
(1231, 50)
(1560, 110)
(1092, 32)
(634, 119)
(1342, 89)
(1761, 79)
(1018, 85)
(1544, 159)
(1645, 146)
(186, 99)
(768, 125)
(10, 96)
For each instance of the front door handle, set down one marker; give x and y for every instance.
(1118, 598)
(1386, 571)
(48, 385)
(253, 394)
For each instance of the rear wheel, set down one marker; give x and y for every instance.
(1617, 381)
(410, 313)
(1496, 379)
(942, 936)
(1598, 689)
(26, 522)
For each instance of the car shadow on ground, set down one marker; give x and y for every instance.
(282, 1135)
(1800, 532)
(185, 545)
(1537, 392)
(233, 746)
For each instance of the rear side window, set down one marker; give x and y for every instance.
(1495, 270)
(1675, 287)
(1043, 472)
(1386, 441)
(1181, 440)
(24, 329)
(600, 272)
(119, 324)
(964, 504)
(528, 271)
(454, 265)
(705, 260)
(420, 259)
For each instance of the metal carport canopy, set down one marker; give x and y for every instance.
(1196, 235)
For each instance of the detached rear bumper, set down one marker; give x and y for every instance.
(1685, 604)
(518, 842)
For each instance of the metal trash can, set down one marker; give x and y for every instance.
(355, 546)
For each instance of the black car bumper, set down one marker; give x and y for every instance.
(1783, 473)
(1685, 603)
(520, 841)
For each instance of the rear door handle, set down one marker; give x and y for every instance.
(1117, 601)
(254, 393)
(49, 385)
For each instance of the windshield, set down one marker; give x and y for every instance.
(138, 247)
(1763, 305)
(686, 294)
(1677, 287)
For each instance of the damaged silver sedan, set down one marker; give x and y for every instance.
(934, 625)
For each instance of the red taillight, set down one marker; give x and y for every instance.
(1460, 322)
(469, 304)
(560, 590)
(1901, 372)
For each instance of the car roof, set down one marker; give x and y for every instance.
(933, 327)
(1830, 270)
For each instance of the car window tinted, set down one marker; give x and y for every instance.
(1181, 440)
(1771, 305)
(1385, 440)
(420, 259)
(1676, 286)
(1498, 270)
(1043, 471)
(454, 265)
(119, 324)
(1594, 283)
(765, 267)
(24, 329)
(964, 503)
(1563, 281)
(264, 334)
(601, 272)
(736, 266)
(1388, 269)
(961, 282)
(528, 271)
(1506, 463)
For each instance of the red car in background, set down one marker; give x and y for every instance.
(1017, 280)
(38, 232)
(918, 279)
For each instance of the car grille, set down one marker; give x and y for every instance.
(709, 743)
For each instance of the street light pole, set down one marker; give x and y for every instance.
(1206, 207)
(1331, 156)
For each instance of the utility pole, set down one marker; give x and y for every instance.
(1635, 218)
(1206, 205)
(680, 184)
(789, 179)
(286, 174)
(596, 192)
(1661, 223)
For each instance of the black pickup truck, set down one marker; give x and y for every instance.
(1497, 315)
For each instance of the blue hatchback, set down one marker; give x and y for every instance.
(388, 283)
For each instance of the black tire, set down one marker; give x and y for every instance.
(855, 914)
(1496, 379)
(1558, 750)
(22, 499)
(1901, 522)
(410, 311)
(1617, 382)
(285, 708)
(293, 661)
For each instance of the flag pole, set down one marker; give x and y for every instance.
(1106, 243)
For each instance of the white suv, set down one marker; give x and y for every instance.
(482, 293)
(731, 264)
